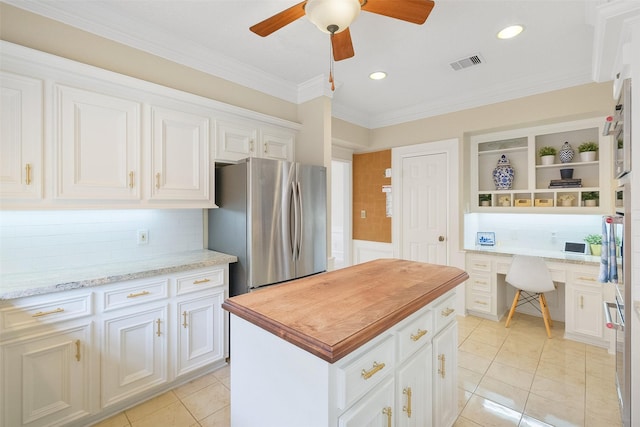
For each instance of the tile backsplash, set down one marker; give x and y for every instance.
(32, 241)
(531, 231)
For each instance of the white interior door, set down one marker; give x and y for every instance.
(424, 208)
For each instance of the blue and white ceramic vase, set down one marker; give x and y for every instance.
(566, 153)
(503, 174)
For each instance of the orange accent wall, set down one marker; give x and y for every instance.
(368, 179)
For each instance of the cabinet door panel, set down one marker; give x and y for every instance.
(413, 391)
(98, 146)
(20, 137)
(445, 387)
(585, 310)
(48, 378)
(135, 347)
(374, 410)
(235, 141)
(277, 145)
(180, 145)
(201, 332)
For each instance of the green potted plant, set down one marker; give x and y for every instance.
(547, 155)
(588, 151)
(595, 243)
(590, 198)
(485, 199)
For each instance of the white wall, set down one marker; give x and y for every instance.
(33, 241)
(532, 231)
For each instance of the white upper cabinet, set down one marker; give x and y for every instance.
(76, 136)
(97, 146)
(180, 144)
(277, 144)
(237, 140)
(21, 137)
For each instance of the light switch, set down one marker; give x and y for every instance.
(363, 213)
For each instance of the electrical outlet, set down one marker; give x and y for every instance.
(363, 213)
(143, 237)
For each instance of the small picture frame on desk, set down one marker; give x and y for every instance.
(486, 238)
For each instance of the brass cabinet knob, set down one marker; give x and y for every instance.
(440, 238)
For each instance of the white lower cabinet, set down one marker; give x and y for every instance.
(414, 391)
(200, 341)
(584, 312)
(62, 362)
(46, 377)
(445, 388)
(376, 409)
(134, 355)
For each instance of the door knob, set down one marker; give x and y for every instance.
(440, 238)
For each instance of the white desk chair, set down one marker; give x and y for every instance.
(531, 278)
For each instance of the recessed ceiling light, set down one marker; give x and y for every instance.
(510, 31)
(377, 75)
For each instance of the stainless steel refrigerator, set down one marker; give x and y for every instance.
(272, 215)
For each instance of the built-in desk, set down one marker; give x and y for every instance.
(577, 300)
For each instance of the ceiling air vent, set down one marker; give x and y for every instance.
(467, 62)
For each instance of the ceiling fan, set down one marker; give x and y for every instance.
(335, 16)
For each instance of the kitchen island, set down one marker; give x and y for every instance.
(347, 348)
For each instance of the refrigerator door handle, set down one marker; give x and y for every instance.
(296, 214)
(300, 220)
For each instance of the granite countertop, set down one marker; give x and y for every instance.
(552, 256)
(28, 284)
(332, 314)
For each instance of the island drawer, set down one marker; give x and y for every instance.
(414, 335)
(135, 293)
(47, 309)
(200, 280)
(445, 311)
(357, 376)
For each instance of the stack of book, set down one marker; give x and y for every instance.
(565, 183)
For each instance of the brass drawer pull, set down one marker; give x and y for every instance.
(131, 179)
(407, 409)
(199, 282)
(588, 279)
(158, 180)
(28, 174)
(371, 372)
(481, 282)
(447, 311)
(158, 322)
(419, 335)
(441, 370)
(139, 294)
(78, 350)
(481, 302)
(387, 412)
(184, 317)
(46, 313)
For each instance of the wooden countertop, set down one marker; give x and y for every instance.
(331, 314)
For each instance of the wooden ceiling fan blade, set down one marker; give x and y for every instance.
(342, 45)
(415, 11)
(279, 20)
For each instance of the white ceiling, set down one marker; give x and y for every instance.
(553, 52)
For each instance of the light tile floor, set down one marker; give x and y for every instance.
(506, 377)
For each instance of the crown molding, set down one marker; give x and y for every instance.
(477, 98)
(163, 45)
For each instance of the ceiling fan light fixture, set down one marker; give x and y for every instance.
(326, 14)
(377, 75)
(510, 32)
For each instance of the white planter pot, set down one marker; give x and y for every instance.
(566, 202)
(588, 156)
(590, 203)
(547, 160)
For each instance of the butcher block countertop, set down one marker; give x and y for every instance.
(332, 314)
